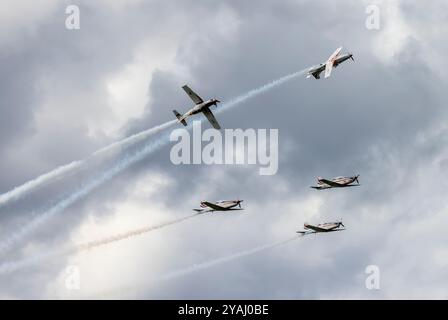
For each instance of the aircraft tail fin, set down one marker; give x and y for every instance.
(179, 117)
(316, 75)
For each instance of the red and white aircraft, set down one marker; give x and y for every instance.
(223, 205)
(338, 182)
(324, 227)
(333, 61)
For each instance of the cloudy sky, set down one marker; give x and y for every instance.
(66, 93)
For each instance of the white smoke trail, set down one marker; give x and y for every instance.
(123, 164)
(136, 137)
(218, 261)
(140, 289)
(23, 189)
(255, 92)
(129, 234)
(12, 266)
(19, 191)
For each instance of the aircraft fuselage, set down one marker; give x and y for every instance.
(317, 69)
(342, 58)
(326, 227)
(226, 204)
(340, 180)
(199, 107)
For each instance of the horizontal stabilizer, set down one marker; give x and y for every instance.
(179, 117)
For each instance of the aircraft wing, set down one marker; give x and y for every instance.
(317, 229)
(336, 230)
(304, 233)
(320, 187)
(199, 211)
(211, 118)
(328, 68)
(332, 183)
(196, 99)
(214, 206)
(330, 62)
(335, 54)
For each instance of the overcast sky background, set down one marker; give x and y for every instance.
(66, 93)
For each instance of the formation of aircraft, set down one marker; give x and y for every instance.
(200, 106)
(230, 205)
(338, 182)
(324, 227)
(333, 61)
(223, 205)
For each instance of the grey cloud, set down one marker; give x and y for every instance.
(365, 119)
